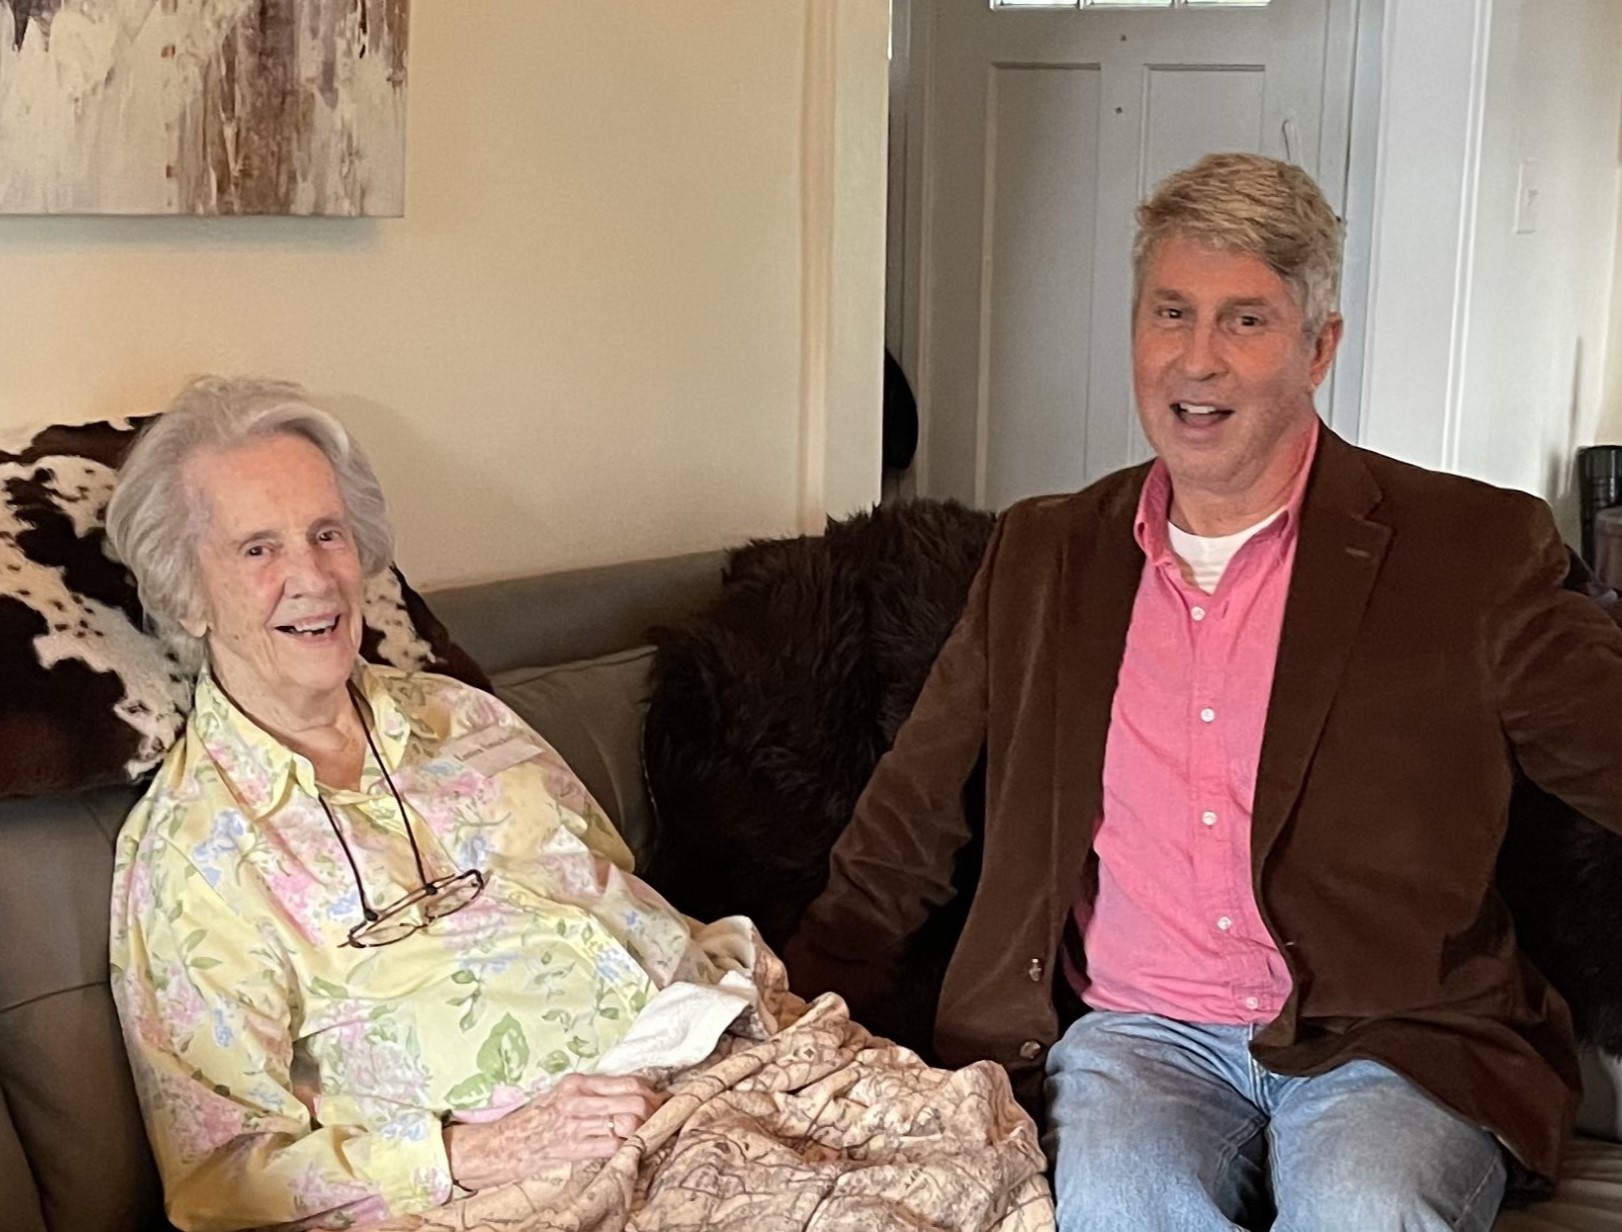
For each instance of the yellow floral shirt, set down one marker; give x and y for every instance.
(287, 1078)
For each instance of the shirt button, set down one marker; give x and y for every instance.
(1030, 1050)
(1034, 970)
(1197, 613)
(1224, 922)
(1208, 818)
(1208, 715)
(1251, 1003)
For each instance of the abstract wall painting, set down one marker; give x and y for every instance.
(203, 106)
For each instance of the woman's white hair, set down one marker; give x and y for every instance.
(155, 522)
(1261, 207)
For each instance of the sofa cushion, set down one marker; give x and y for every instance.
(591, 713)
(17, 1186)
(1601, 1112)
(1588, 1198)
(90, 699)
(65, 1084)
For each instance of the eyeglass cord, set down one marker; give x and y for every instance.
(416, 853)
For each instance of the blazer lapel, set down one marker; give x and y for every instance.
(1337, 560)
(1098, 587)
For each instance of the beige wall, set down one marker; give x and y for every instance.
(635, 306)
(1539, 321)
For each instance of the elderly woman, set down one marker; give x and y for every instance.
(369, 936)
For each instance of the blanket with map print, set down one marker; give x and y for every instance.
(799, 1119)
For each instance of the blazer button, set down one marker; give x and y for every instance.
(1030, 1050)
(1034, 970)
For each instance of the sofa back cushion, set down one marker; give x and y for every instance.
(591, 713)
(73, 1152)
(552, 618)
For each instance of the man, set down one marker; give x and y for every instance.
(1251, 716)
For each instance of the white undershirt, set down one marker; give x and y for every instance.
(1208, 557)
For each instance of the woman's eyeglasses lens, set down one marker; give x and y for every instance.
(433, 901)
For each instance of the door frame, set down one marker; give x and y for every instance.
(1433, 84)
(1355, 129)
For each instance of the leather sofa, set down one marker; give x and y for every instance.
(568, 651)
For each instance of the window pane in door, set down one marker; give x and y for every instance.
(1163, 4)
(1126, 4)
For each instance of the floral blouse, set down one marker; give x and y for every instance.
(287, 1078)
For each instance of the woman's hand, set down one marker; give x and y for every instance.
(584, 1116)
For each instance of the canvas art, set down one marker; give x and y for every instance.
(203, 106)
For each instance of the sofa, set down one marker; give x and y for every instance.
(568, 651)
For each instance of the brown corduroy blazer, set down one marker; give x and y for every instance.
(1429, 656)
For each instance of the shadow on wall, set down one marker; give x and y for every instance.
(1560, 479)
(59, 234)
(401, 467)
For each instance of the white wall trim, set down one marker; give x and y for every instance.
(917, 323)
(1358, 195)
(988, 288)
(1464, 285)
(843, 179)
(817, 176)
(1431, 103)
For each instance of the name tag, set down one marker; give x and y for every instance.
(490, 750)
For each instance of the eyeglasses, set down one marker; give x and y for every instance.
(432, 900)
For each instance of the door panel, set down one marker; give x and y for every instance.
(1190, 111)
(1043, 158)
(1043, 128)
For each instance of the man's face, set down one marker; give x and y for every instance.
(1223, 370)
(281, 579)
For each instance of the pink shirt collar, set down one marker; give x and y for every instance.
(1154, 507)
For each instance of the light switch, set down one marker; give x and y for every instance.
(1528, 198)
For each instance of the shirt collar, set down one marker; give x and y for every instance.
(1154, 507)
(259, 769)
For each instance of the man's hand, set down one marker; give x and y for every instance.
(584, 1116)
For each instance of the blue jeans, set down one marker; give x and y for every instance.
(1156, 1124)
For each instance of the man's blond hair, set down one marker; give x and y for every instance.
(1261, 207)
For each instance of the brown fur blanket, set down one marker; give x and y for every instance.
(768, 714)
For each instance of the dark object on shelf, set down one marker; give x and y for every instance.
(900, 417)
(1608, 546)
(1599, 486)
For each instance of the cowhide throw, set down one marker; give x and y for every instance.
(88, 697)
(769, 713)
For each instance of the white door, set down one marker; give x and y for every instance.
(1042, 128)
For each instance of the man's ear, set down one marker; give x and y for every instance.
(1324, 347)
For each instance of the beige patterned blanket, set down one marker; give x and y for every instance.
(799, 1120)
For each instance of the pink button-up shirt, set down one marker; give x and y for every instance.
(1174, 929)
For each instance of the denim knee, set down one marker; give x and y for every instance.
(1339, 1195)
(1112, 1194)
